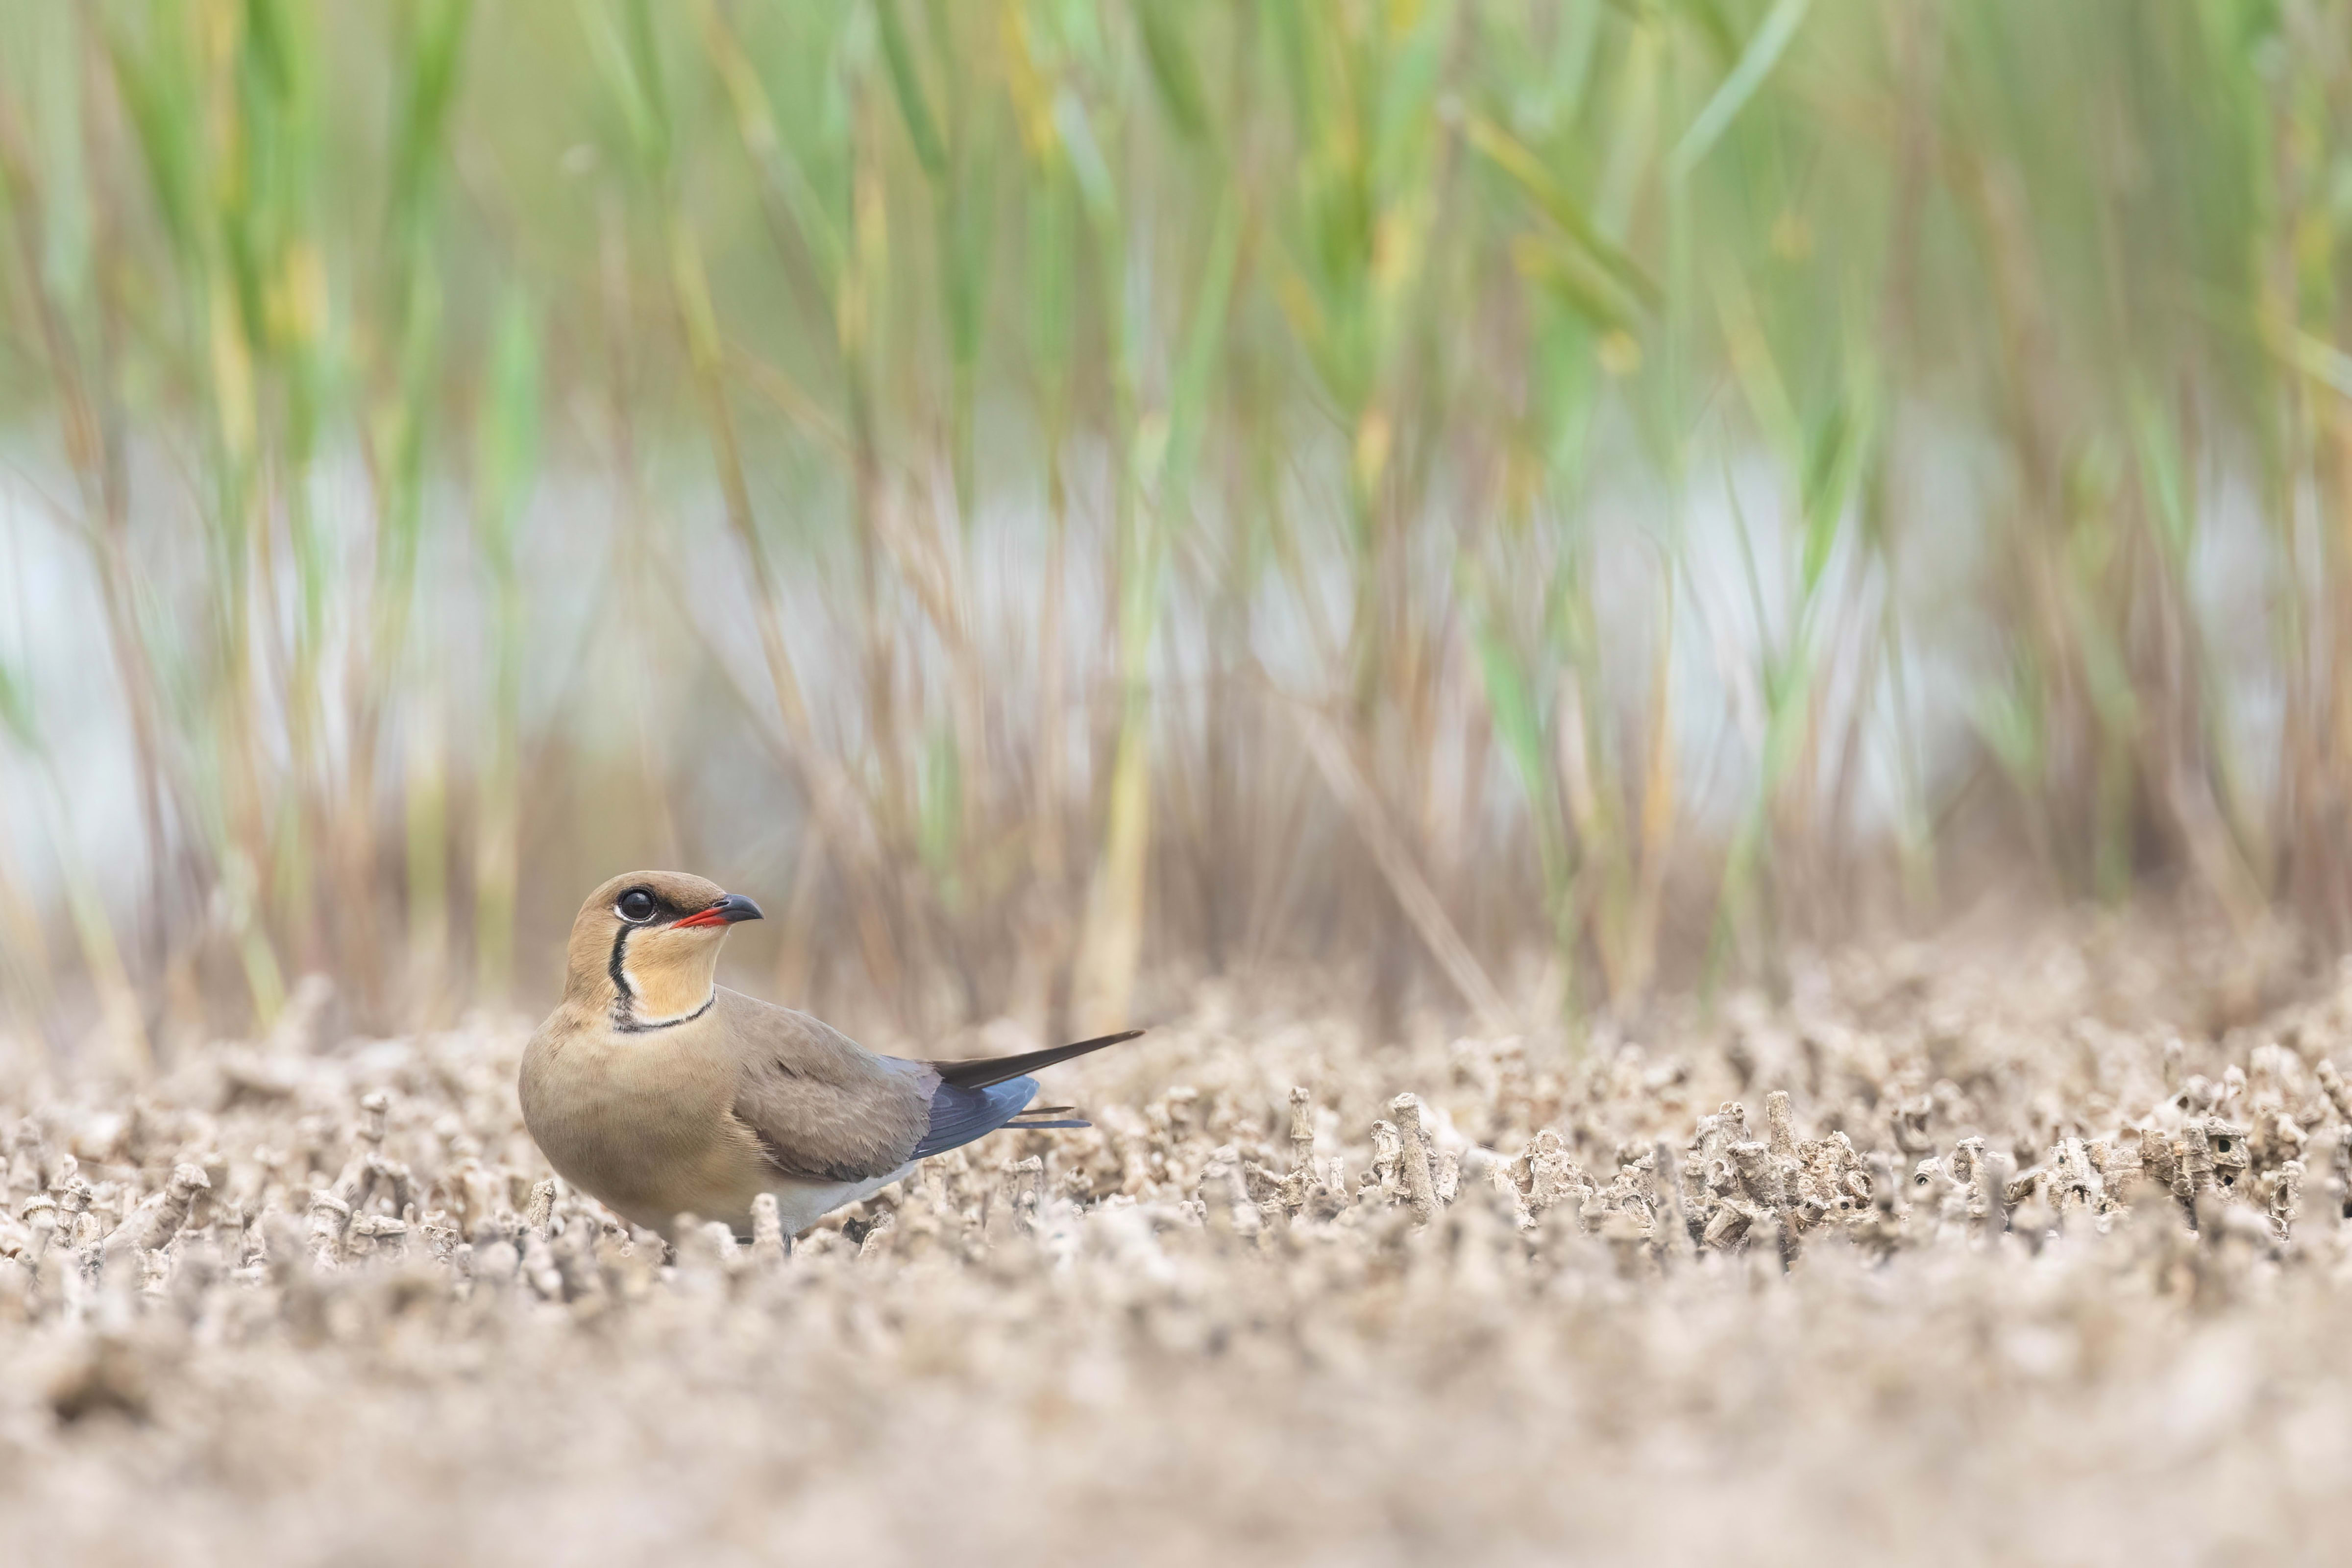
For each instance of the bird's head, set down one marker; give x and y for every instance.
(645, 946)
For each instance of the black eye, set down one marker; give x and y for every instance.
(637, 907)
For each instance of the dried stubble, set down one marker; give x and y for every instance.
(1931, 1262)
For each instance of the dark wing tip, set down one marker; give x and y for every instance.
(991, 1070)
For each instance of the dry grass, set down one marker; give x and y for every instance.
(1056, 487)
(1189, 1336)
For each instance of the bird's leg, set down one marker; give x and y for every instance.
(768, 1238)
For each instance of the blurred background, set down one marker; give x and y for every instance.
(1507, 506)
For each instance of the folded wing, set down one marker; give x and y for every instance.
(827, 1109)
(958, 1114)
(823, 1107)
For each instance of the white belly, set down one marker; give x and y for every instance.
(801, 1203)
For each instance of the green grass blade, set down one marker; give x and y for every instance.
(907, 87)
(1770, 40)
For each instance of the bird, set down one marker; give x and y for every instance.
(663, 1094)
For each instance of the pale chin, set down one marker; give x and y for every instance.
(641, 1016)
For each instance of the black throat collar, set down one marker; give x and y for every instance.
(625, 996)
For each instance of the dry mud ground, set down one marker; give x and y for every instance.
(1979, 1251)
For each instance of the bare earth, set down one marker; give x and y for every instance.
(1903, 1269)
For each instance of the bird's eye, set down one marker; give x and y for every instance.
(637, 907)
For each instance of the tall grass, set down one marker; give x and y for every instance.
(1048, 491)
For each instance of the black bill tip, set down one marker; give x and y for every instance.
(730, 908)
